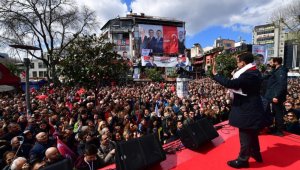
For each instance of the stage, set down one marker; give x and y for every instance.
(277, 152)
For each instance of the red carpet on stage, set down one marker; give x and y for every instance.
(277, 153)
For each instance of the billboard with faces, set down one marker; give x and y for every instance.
(161, 39)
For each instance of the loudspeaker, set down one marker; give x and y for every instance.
(195, 134)
(139, 153)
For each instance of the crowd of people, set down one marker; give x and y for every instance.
(90, 123)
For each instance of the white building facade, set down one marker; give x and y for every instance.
(272, 36)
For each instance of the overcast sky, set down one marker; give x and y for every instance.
(205, 20)
(226, 18)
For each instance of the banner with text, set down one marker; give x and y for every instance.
(158, 61)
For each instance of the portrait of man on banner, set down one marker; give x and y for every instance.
(150, 62)
(181, 61)
(159, 42)
(181, 42)
(143, 39)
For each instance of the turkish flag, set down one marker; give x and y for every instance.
(65, 151)
(170, 40)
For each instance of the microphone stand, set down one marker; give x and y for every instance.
(21, 143)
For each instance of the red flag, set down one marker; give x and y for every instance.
(170, 39)
(65, 151)
(23, 74)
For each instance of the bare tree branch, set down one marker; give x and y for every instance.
(50, 24)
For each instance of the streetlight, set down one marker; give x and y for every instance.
(27, 64)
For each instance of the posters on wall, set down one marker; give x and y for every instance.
(261, 52)
(162, 39)
(149, 60)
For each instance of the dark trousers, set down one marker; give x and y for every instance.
(278, 111)
(249, 143)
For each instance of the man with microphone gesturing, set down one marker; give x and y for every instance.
(247, 108)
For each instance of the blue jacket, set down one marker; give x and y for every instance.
(246, 111)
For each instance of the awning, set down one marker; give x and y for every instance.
(6, 88)
(6, 78)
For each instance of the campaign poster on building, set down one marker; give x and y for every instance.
(157, 61)
(181, 40)
(260, 52)
(163, 61)
(161, 39)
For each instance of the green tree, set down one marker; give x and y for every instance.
(91, 62)
(153, 74)
(51, 25)
(226, 63)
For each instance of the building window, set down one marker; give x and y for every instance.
(41, 74)
(41, 65)
(32, 65)
(34, 74)
(45, 73)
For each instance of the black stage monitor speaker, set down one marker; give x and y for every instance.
(139, 153)
(195, 134)
(64, 164)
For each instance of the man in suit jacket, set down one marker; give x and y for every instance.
(151, 62)
(247, 108)
(143, 39)
(159, 42)
(151, 40)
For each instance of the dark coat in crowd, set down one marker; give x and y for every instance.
(80, 164)
(277, 85)
(247, 111)
(293, 127)
(38, 150)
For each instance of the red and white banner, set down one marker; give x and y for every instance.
(158, 61)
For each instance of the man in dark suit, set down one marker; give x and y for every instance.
(151, 62)
(143, 39)
(151, 40)
(181, 41)
(247, 108)
(181, 62)
(276, 91)
(159, 42)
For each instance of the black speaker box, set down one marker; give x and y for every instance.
(139, 153)
(195, 134)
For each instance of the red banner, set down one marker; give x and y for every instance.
(170, 39)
